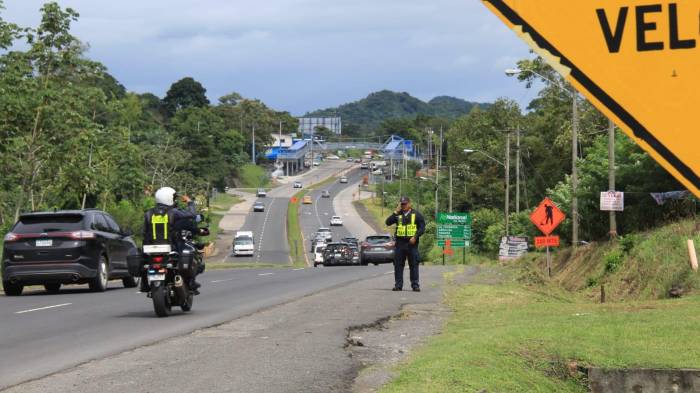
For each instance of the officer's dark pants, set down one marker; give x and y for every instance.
(401, 253)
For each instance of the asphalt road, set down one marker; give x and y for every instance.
(41, 334)
(269, 227)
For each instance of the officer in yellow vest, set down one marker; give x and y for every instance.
(410, 226)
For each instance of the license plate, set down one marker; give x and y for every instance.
(338, 256)
(156, 277)
(44, 243)
(378, 248)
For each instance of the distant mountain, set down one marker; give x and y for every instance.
(368, 113)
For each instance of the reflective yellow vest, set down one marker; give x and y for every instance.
(406, 230)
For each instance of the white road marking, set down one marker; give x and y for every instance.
(265, 274)
(296, 270)
(262, 231)
(388, 272)
(43, 308)
(218, 281)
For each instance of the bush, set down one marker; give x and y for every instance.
(613, 260)
(427, 241)
(482, 219)
(627, 243)
(492, 240)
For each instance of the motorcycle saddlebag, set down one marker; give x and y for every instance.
(186, 265)
(135, 265)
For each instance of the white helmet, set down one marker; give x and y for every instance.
(166, 196)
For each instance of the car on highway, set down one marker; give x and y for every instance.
(66, 247)
(326, 234)
(364, 165)
(337, 254)
(333, 157)
(318, 253)
(297, 184)
(261, 193)
(243, 244)
(258, 207)
(358, 160)
(353, 241)
(349, 160)
(317, 163)
(307, 200)
(336, 221)
(325, 194)
(377, 249)
(378, 172)
(344, 180)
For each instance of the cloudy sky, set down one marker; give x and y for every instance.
(299, 55)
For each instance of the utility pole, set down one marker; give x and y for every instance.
(517, 171)
(438, 162)
(611, 174)
(450, 207)
(507, 205)
(574, 170)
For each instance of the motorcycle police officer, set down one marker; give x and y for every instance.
(410, 226)
(163, 223)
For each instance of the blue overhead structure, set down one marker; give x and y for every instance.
(396, 148)
(292, 158)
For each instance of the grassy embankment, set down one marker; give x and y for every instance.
(253, 177)
(524, 333)
(218, 207)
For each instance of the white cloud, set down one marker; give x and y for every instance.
(298, 55)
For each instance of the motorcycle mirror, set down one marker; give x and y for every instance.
(204, 232)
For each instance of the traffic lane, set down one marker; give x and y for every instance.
(319, 213)
(272, 246)
(253, 223)
(96, 325)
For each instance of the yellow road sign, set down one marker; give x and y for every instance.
(637, 61)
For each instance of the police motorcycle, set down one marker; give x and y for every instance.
(169, 272)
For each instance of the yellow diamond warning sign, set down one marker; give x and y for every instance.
(636, 61)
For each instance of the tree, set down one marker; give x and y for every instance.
(185, 93)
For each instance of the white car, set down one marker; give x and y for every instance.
(333, 157)
(297, 184)
(243, 244)
(318, 253)
(344, 180)
(336, 221)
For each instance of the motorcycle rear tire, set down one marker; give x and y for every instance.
(161, 301)
(187, 304)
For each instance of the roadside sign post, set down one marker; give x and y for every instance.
(454, 230)
(547, 217)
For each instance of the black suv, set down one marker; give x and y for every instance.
(66, 247)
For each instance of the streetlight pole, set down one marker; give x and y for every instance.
(611, 174)
(574, 150)
(253, 152)
(517, 171)
(506, 166)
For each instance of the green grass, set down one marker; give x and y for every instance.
(253, 176)
(294, 233)
(218, 207)
(510, 338)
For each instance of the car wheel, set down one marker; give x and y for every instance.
(52, 287)
(99, 283)
(12, 289)
(130, 282)
(315, 264)
(376, 264)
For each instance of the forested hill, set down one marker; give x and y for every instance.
(368, 113)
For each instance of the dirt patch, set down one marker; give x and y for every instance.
(381, 345)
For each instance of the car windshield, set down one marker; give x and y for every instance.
(49, 223)
(246, 241)
(378, 239)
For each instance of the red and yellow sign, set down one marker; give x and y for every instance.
(547, 241)
(637, 61)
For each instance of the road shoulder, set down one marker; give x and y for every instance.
(295, 347)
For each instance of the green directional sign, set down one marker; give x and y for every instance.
(456, 227)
